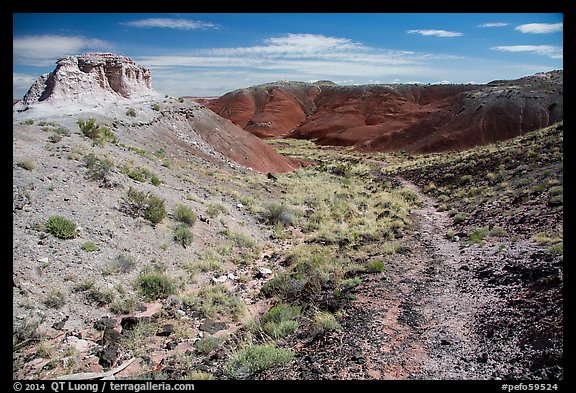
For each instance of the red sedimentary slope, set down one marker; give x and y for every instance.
(419, 118)
(268, 110)
(239, 145)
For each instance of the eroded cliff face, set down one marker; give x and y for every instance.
(91, 77)
(417, 118)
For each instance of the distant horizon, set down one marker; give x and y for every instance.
(208, 55)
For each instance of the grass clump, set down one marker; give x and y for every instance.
(215, 209)
(199, 376)
(376, 266)
(280, 320)
(27, 164)
(182, 235)
(155, 107)
(556, 249)
(155, 285)
(184, 214)
(325, 320)
(141, 204)
(97, 132)
(276, 213)
(131, 112)
(89, 246)
(55, 298)
(27, 122)
(255, 358)
(98, 167)
(61, 227)
(215, 300)
(208, 344)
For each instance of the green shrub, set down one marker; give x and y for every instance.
(214, 209)
(208, 344)
(465, 179)
(182, 235)
(215, 300)
(155, 285)
(55, 298)
(325, 320)
(280, 321)
(155, 107)
(255, 358)
(89, 246)
(155, 180)
(459, 217)
(556, 190)
(477, 235)
(375, 266)
(180, 100)
(98, 167)
(61, 227)
(350, 282)
(98, 133)
(184, 214)
(199, 376)
(27, 164)
(141, 204)
(275, 213)
(131, 112)
(124, 306)
(556, 249)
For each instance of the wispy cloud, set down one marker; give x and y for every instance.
(540, 28)
(494, 24)
(42, 50)
(436, 33)
(289, 57)
(168, 23)
(551, 51)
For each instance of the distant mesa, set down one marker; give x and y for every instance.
(416, 118)
(106, 84)
(90, 78)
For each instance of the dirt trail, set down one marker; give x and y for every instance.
(412, 321)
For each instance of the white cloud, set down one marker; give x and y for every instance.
(540, 28)
(436, 33)
(168, 23)
(21, 83)
(551, 51)
(42, 50)
(494, 24)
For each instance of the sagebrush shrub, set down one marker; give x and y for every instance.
(155, 285)
(182, 235)
(184, 214)
(61, 227)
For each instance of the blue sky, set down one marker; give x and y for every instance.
(211, 54)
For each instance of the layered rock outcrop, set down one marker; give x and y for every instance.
(89, 78)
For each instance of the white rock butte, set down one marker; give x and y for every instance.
(90, 78)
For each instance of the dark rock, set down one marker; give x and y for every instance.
(128, 323)
(171, 345)
(465, 267)
(104, 323)
(212, 327)
(445, 342)
(60, 324)
(483, 358)
(109, 337)
(165, 330)
(108, 355)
